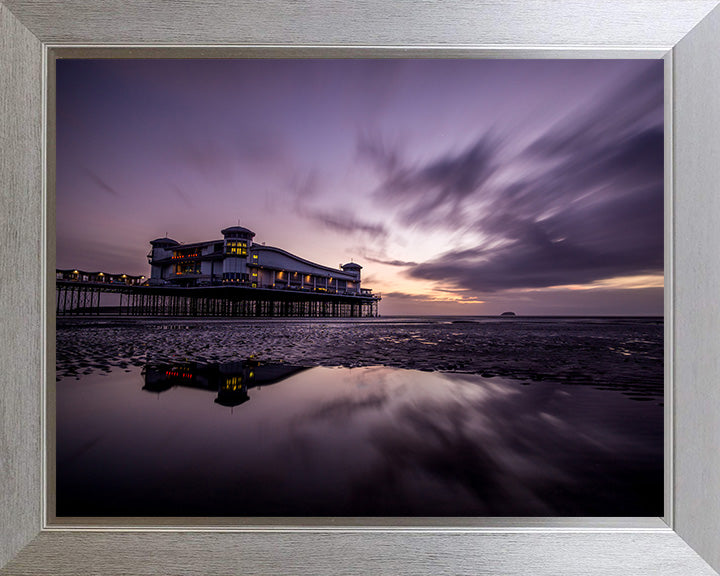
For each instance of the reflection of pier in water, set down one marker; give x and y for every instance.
(231, 381)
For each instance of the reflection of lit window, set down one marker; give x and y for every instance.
(233, 383)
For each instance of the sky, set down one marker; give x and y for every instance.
(463, 187)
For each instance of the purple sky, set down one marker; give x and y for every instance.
(460, 186)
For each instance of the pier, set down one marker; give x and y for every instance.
(228, 277)
(85, 298)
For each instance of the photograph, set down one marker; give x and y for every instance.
(358, 288)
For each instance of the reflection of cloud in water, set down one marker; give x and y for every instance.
(363, 441)
(471, 446)
(479, 447)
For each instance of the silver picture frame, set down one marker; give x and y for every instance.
(685, 33)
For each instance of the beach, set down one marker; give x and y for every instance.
(617, 353)
(360, 417)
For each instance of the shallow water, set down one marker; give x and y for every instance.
(202, 439)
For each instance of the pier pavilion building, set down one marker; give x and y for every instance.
(232, 276)
(237, 260)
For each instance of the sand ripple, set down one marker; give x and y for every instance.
(622, 355)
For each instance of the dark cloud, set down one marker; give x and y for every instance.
(372, 148)
(576, 246)
(218, 157)
(104, 186)
(631, 107)
(582, 202)
(429, 193)
(180, 193)
(305, 189)
(208, 157)
(455, 296)
(405, 296)
(345, 223)
(398, 263)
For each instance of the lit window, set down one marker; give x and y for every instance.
(236, 247)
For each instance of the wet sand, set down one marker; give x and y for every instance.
(620, 354)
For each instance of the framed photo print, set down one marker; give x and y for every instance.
(315, 297)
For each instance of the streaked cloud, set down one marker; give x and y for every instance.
(101, 183)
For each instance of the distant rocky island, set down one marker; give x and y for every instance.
(508, 314)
